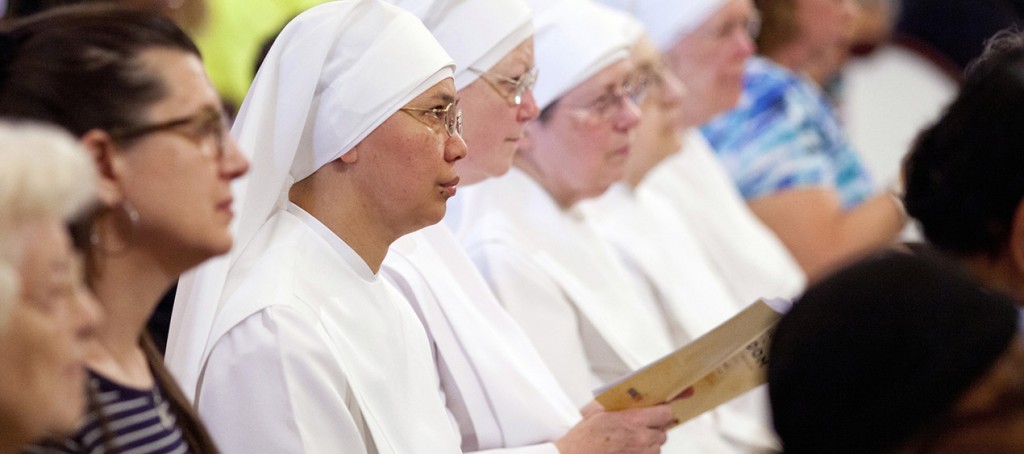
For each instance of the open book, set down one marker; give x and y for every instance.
(713, 369)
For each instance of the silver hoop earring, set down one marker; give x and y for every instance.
(132, 216)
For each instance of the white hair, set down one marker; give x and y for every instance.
(45, 174)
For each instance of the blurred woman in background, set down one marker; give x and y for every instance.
(786, 150)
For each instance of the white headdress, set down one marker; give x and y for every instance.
(629, 25)
(335, 73)
(476, 33)
(574, 39)
(668, 21)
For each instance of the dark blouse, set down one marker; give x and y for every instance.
(127, 421)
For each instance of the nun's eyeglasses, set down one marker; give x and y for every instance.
(520, 85)
(208, 129)
(451, 115)
(604, 107)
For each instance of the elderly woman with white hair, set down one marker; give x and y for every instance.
(45, 321)
(705, 43)
(496, 387)
(354, 128)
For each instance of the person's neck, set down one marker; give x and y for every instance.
(795, 57)
(997, 273)
(355, 224)
(696, 115)
(128, 285)
(642, 162)
(563, 195)
(633, 178)
(639, 164)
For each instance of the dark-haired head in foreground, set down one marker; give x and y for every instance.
(899, 354)
(963, 177)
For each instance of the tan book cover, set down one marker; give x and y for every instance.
(728, 361)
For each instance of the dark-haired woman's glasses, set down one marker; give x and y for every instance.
(450, 115)
(520, 85)
(208, 128)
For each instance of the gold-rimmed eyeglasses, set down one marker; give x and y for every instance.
(451, 115)
(205, 128)
(520, 85)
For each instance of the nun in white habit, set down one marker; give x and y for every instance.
(748, 257)
(298, 345)
(497, 389)
(566, 287)
(656, 245)
(659, 248)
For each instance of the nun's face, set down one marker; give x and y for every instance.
(581, 148)
(657, 135)
(710, 61)
(494, 123)
(407, 165)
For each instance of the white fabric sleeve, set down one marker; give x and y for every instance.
(271, 384)
(543, 311)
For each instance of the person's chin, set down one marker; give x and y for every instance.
(436, 214)
(221, 245)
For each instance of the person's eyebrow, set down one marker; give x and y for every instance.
(444, 97)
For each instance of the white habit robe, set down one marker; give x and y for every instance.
(746, 254)
(496, 387)
(661, 252)
(569, 292)
(313, 353)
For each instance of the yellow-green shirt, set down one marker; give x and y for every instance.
(233, 35)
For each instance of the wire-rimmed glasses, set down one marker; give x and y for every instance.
(520, 85)
(451, 115)
(604, 107)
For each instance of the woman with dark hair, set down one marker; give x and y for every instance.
(131, 87)
(23, 8)
(899, 354)
(962, 177)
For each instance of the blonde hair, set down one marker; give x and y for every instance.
(45, 174)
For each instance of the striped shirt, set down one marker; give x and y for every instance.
(139, 421)
(784, 134)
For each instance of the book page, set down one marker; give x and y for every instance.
(713, 369)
